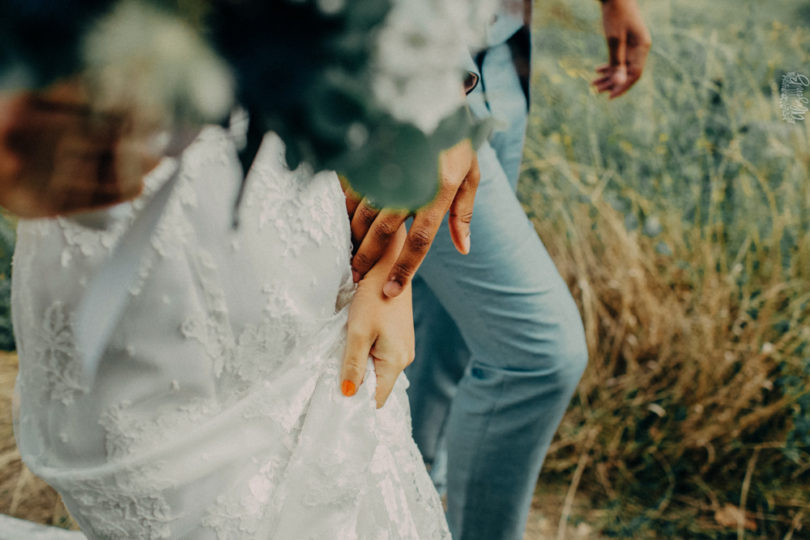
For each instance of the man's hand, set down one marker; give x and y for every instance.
(57, 156)
(373, 229)
(379, 327)
(628, 42)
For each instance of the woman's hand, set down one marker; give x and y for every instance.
(380, 327)
(58, 156)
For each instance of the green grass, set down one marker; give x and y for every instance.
(680, 216)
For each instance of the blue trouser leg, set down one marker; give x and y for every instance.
(438, 337)
(498, 392)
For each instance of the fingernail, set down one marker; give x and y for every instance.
(355, 276)
(465, 243)
(392, 288)
(348, 388)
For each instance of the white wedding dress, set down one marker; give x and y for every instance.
(216, 411)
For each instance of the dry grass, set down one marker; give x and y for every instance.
(682, 388)
(22, 494)
(680, 217)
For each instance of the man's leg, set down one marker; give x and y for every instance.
(526, 339)
(528, 352)
(434, 381)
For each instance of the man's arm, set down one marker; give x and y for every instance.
(372, 228)
(628, 42)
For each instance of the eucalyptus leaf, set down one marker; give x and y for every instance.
(397, 168)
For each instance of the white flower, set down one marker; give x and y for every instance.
(144, 59)
(420, 56)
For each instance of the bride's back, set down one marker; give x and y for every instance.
(215, 409)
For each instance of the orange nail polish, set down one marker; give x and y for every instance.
(348, 388)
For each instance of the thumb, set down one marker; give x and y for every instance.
(462, 209)
(355, 359)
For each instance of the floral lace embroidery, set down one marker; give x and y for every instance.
(56, 355)
(125, 505)
(274, 378)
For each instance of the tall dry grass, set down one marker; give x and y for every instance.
(22, 494)
(681, 219)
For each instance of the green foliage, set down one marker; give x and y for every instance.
(680, 215)
(308, 70)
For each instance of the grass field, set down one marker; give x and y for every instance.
(680, 217)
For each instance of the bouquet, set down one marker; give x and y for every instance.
(371, 88)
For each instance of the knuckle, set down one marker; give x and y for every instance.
(401, 272)
(385, 229)
(366, 215)
(419, 240)
(361, 261)
(464, 217)
(404, 360)
(352, 370)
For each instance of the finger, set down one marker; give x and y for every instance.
(376, 241)
(89, 176)
(352, 201)
(417, 243)
(134, 160)
(386, 374)
(619, 77)
(604, 86)
(618, 90)
(11, 164)
(461, 210)
(81, 172)
(358, 345)
(363, 218)
(603, 69)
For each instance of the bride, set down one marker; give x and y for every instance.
(217, 409)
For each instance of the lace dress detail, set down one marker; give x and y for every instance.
(215, 412)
